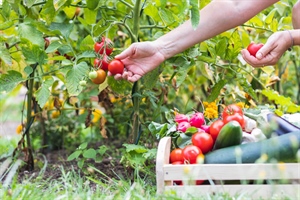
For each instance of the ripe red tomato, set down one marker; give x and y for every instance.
(116, 67)
(215, 128)
(233, 112)
(253, 48)
(102, 62)
(237, 117)
(190, 153)
(104, 46)
(176, 155)
(204, 141)
(231, 109)
(101, 76)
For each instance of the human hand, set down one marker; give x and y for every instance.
(271, 52)
(139, 59)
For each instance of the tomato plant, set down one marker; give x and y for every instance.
(190, 153)
(105, 46)
(116, 67)
(102, 62)
(204, 141)
(215, 128)
(176, 155)
(253, 48)
(101, 76)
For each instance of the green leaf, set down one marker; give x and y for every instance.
(53, 46)
(74, 76)
(92, 4)
(183, 140)
(102, 149)
(6, 9)
(90, 17)
(151, 10)
(80, 163)
(270, 16)
(28, 70)
(64, 28)
(6, 25)
(87, 43)
(195, 15)
(48, 12)
(167, 16)
(83, 145)
(5, 55)
(29, 32)
(10, 80)
(89, 153)
(150, 79)
(119, 86)
(74, 155)
(43, 93)
(60, 3)
(216, 90)
(86, 54)
(29, 3)
(135, 148)
(34, 54)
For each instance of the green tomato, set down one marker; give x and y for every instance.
(82, 83)
(93, 75)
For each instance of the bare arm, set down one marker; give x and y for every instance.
(215, 18)
(296, 15)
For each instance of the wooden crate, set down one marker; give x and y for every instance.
(256, 180)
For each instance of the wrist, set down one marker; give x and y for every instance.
(295, 34)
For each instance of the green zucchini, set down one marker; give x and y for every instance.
(283, 148)
(230, 134)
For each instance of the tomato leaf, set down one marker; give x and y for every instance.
(216, 90)
(29, 32)
(120, 86)
(74, 75)
(10, 80)
(136, 148)
(5, 56)
(48, 12)
(43, 93)
(150, 79)
(195, 14)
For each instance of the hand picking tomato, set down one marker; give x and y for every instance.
(101, 76)
(104, 46)
(253, 48)
(176, 155)
(204, 141)
(215, 128)
(190, 153)
(116, 67)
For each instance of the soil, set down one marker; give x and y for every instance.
(110, 166)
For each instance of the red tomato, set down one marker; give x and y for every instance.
(233, 112)
(237, 117)
(104, 46)
(215, 128)
(102, 63)
(116, 67)
(204, 141)
(176, 155)
(232, 109)
(190, 153)
(253, 48)
(199, 182)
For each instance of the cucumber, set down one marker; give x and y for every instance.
(230, 134)
(283, 148)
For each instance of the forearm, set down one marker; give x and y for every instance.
(295, 34)
(215, 18)
(296, 15)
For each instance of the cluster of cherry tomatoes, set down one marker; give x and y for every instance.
(202, 141)
(103, 62)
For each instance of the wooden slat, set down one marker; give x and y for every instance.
(163, 154)
(254, 191)
(232, 171)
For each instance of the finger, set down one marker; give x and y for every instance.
(262, 52)
(118, 77)
(126, 53)
(134, 78)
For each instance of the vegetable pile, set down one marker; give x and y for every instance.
(237, 136)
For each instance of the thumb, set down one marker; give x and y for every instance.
(263, 51)
(126, 53)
